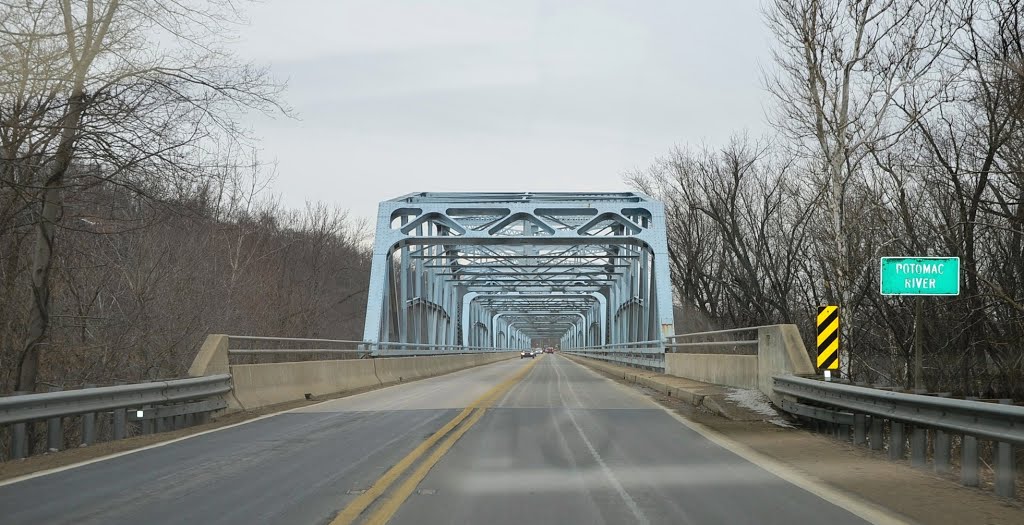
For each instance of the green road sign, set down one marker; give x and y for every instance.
(920, 276)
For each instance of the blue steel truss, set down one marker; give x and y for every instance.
(503, 270)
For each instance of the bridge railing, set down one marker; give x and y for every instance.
(741, 341)
(247, 349)
(882, 419)
(114, 412)
(287, 349)
(651, 354)
(386, 349)
(645, 354)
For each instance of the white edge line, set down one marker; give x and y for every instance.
(857, 506)
(854, 504)
(55, 470)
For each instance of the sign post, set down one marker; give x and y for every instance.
(919, 276)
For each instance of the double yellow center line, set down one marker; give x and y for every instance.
(470, 415)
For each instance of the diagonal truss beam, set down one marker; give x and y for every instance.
(503, 269)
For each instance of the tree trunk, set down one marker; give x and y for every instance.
(42, 258)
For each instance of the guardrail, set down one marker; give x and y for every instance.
(651, 354)
(156, 406)
(869, 412)
(687, 343)
(361, 349)
(645, 354)
(386, 349)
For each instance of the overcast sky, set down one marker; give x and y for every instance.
(397, 96)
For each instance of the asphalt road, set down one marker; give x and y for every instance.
(563, 446)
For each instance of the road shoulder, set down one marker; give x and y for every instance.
(71, 457)
(917, 495)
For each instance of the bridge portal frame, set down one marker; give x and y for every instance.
(432, 250)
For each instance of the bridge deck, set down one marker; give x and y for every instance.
(563, 445)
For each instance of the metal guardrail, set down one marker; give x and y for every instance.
(651, 354)
(728, 331)
(164, 405)
(866, 411)
(386, 349)
(680, 343)
(646, 354)
(364, 348)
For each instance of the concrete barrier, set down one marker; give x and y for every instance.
(740, 371)
(267, 384)
(260, 385)
(780, 351)
(212, 358)
(272, 383)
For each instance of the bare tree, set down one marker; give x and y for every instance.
(736, 232)
(840, 68)
(139, 89)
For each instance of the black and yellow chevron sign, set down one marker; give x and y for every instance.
(828, 337)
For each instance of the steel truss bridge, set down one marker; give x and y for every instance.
(455, 272)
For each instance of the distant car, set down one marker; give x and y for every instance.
(549, 350)
(526, 353)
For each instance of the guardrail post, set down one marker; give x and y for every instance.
(19, 441)
(54, 430)
(895, 440)
(179, 422)
(942, 451)
(88, 428)
(969, 462)
(120, 422)
(918, 444)
(858, 429)
(1005, 466)
(54, 434)
(119, 419)
(844, 433)
(876, 433)
(89, 425)
(19, 435)
(1005, 470)
(147, 424)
